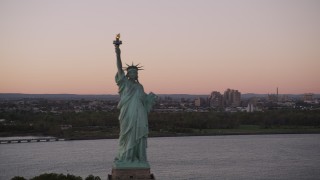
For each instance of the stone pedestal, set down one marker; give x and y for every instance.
(130, 174)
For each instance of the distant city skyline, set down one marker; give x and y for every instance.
(186, 47)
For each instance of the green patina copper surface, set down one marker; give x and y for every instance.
(134, 107)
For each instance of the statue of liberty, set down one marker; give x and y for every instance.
(134, 107)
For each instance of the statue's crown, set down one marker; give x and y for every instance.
(133, 67)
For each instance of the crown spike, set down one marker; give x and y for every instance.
(132, 66)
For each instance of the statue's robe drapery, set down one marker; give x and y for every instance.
(134, 106)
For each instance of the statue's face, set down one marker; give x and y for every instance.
(132, 74)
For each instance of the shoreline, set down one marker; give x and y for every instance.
(189, 135)
(215, 132)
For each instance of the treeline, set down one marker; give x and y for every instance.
(107, 122)
(219, 120)
(50, 123)
(55, 176)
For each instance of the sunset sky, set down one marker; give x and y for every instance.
(191, 47)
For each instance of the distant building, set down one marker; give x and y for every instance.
(215, 99)
(284, 98)
(272, 98)
(232, 98)
(308, 97)
(199, 102)
(250, 108)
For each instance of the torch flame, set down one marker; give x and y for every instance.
(118, 36)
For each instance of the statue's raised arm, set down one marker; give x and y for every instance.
(117, 43)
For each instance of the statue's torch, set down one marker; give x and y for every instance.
(117, 42)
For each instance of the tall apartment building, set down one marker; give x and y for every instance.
(232, 98)
(215, 99)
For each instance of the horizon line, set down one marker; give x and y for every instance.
(157, 93)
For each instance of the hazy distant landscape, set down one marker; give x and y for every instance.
(17, 96)
(73, 117)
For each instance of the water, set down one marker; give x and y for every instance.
(206, 157)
